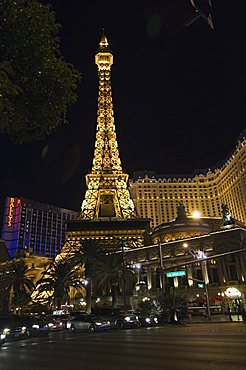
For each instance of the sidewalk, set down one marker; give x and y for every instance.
(215, 319)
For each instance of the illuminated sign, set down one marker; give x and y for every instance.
(233, 293)
(200, 285)
(176, 273)
(11, 211)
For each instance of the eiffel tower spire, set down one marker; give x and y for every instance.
(107, 194)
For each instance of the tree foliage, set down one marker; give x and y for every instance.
(109, 275)
(36, 84)
(56, 283)
(174, 307)
(87, 255)
(17, 285)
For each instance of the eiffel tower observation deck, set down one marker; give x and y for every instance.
(107, 212)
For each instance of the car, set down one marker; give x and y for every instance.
(55, 323)
(35, 326)
(118, 319)
(12, 327)
(148, 320)
(77, 313)
(2, 337)
(61, 320)
(89, 323)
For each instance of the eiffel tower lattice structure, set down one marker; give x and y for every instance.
(107, 194)
(108, 213)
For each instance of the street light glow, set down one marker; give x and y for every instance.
(196, 214)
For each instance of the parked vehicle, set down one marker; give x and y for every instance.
(35, 326)
(148, 320)
(89, 323)
(118, 318)
(61, 320)
(2, 337)
(77, 313)
(56, 323)
(12, 327)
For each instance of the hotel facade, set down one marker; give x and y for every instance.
(157, 196)
(32, 226)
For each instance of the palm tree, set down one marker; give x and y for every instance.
(4, 296)
(174, 307)
(86, 255)
(17, 285)
(109, 274)
(55, 284)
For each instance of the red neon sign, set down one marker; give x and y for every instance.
(11, 211)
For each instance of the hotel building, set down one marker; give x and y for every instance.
(33, 226)
(157, 196)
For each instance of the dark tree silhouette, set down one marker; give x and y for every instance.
(36, 84)
(16, 286)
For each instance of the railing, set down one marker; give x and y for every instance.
(201, 310)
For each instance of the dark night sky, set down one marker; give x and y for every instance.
(179, 96)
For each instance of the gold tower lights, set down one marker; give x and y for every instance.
(107, 194)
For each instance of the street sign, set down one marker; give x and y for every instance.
(200, 285)
(176, 273)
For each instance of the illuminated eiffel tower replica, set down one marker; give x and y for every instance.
(107, 213)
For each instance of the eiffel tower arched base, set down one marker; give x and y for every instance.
(108, 232)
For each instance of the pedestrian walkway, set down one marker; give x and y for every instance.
(216, 318)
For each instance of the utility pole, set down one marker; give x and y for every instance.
(204, 269)
(200, 255)
(122, 245)
(163, 287)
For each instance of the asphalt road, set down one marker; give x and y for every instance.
(207, 346)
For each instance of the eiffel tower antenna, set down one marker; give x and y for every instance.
(107, 194)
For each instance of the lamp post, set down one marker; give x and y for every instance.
(122, 244)
(202, 256)
(163, 287)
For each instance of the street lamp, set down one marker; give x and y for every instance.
(196, 214)
(199, 254)
(202, 255)
(122, 245)
(163, 287)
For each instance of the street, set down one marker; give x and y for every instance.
(208, 346)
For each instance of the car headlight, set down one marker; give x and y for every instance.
(2, 336)
(147, 319)
(35, 326)
(98, 323)
(23, 329)
(6, 331)
(155, 320)
(127, 318)
(69, 325)
(50, 324)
